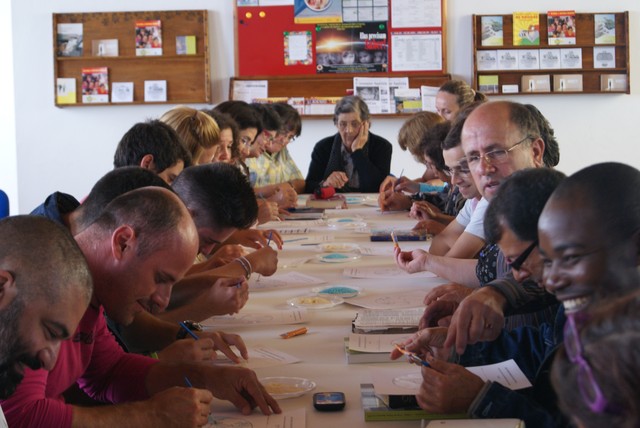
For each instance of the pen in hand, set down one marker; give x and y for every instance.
(189, 332)
(187, 382)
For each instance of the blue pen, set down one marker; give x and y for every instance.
(269, 240)
(192, 334)
(187, 382)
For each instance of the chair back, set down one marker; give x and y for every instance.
(4, 204)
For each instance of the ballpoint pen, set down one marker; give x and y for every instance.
(412, 357)
(188, 330)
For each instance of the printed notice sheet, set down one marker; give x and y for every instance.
(375, 92)
(247, 90)
(416, 13)
(416, 51)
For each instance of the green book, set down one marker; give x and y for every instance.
(375, 409)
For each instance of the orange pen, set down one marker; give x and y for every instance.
(292, 333)
(395, 240)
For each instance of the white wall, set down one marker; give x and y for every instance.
(8, 165)
(69, 149)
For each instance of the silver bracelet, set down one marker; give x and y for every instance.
(246, 265)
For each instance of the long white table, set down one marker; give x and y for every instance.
(321, 350)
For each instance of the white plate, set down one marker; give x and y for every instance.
(315, 302)
(371, 201)
(343, 291)
(337, 247)
(337, 257)
(355, 200)
(287, 387)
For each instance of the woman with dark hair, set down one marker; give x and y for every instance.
(354, 159)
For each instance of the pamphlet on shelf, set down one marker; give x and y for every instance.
(95, 85)
(104, 47)
(536, 83)
(561, 27)
(149, 38)
(122, 92)
(526, 29)
(613, 82)
(398, 84)
(567, 83)
(604, 57)
(375, 92)
(320, 105)
(487, 60)
(488, 84)
(69, 39)
(529, 59)
(185, 45)
(492, 34)
(549, 59)
(66, 90)
(507, 59)
(571, 58)
(407, 100)
(155, 90)
(510, 89)
(604, 28)
(428, 94)
(247, 90)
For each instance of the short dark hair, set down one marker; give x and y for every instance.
(519, 202)
(155, 138)
(611, 189)
(351, 104)
(218, 195)
(268, 117)
(431, 143)
(290, 118)
(551, 155)
(245, 116)
(44, 258)
(523, 119)
(225, 121)
(153, 213)
(113, 184)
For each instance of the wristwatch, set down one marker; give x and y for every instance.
(193, 326)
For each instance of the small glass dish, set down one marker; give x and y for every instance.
(287, 387)
(337, 290)
(315, 302)
(337, 247)
(337, 257)
(346, 223)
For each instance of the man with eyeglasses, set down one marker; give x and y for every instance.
(588, 251)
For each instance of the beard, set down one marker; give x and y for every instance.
(13, 350)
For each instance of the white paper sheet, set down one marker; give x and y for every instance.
(287, 419)
(375, 342)
(416, 13)
(506, 373)
(383, 272)
(285, 280)
(260, 357)
(294, 316)
(416, 51)
(396, 300)
(247, 90)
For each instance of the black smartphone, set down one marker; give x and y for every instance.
(328, 401)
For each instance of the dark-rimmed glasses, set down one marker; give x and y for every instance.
(519, 261)
(461, 170)
(495, 157)
(587, 384)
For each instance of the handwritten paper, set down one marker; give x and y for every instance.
(290, 419)
(396, 300)
(294, 316)
(383, 272)
(261, 356)
(285, 280)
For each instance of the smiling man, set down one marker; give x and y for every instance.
(140, 245)
(589, 242)
(45, 287)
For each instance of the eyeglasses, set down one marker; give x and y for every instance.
(355, 125)
(286, 135)
(462, 170)
(268, 137)
(495, 157)
(587, 384)
(517, 263)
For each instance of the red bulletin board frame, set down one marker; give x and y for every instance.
(260, 38)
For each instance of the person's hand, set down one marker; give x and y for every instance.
(225, 254)
(240, 386)
(406, 185)
(256, 238)
(451, 291)
(223, 342)
(336, 179)
(394, 201)
(387, 184)
(480, 317)
(428, 341)
(264, 261)
(432, 227)
(411, 261)
(267, 211)
(285, 196)
(447, 387)
(188, 351)
(224, 296)
(438, 314)
(179, 407)
(423, 210)
(361, 139)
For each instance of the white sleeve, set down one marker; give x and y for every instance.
(464, 215)
(476, 224)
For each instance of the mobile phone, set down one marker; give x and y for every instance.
(328, 401)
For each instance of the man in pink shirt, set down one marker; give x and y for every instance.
(142, 243)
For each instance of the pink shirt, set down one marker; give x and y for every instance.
(94, 360)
